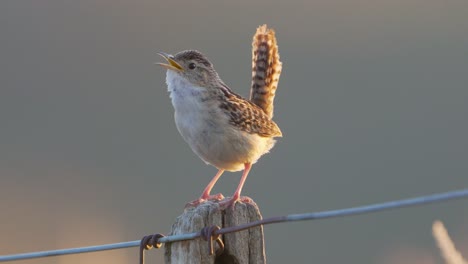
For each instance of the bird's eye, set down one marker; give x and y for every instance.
(191, 66)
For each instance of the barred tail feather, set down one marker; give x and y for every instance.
(266, 69)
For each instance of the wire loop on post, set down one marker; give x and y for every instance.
(147, 243)
(209, 234)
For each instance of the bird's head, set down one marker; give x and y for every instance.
(193, 66)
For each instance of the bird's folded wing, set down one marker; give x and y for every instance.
(250, 118)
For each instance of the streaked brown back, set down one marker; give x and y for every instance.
(266, 69)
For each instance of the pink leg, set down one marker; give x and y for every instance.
(206, 193)
(236, 195)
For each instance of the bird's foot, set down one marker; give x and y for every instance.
(215, 197)
(246, 199)
(230, 203)
(195, 203)
(204, 198)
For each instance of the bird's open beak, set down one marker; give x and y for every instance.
(173, 65)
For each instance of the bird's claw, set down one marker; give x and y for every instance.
(215, 197)
(225, 204)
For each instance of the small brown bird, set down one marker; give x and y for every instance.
(222, 128)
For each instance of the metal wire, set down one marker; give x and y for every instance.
(421, 200)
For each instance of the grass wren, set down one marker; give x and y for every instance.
(222, 128)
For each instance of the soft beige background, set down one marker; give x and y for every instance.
(372, 103)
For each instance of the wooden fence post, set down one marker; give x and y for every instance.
(244, 247)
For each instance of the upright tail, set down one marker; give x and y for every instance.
(266, 69)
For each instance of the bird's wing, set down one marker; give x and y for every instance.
(248, 117)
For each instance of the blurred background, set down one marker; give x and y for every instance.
(372, 103)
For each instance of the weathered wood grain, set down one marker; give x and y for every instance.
(244, 247)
